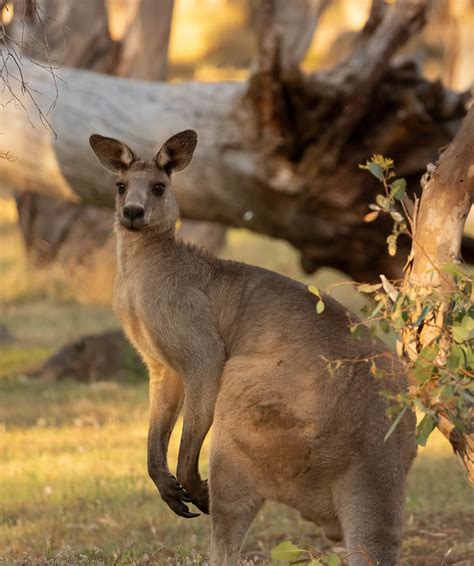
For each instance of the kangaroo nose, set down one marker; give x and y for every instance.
(133, 212)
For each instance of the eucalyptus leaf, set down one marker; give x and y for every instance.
(315, 290)
(398, 189)
(332, 560)
(394, 425)
(376, 170)
(286, 551)
(382, 201)
(424, 429)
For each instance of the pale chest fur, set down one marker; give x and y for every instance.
(137, 323)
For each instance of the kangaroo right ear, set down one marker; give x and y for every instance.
(177, 151)
(114, 155)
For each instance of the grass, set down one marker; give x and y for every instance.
(74, 478)
(73, 481)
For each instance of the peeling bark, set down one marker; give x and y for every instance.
(445, 202)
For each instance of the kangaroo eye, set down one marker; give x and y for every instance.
(158, 189)
(120, 188)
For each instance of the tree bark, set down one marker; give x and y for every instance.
(292, 183)
(295, 23)
(144, 53)
(69, 33)
(446, 200)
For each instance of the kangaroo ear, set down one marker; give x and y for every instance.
(114, 156)
(177, 152)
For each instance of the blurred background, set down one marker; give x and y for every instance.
(73, 395)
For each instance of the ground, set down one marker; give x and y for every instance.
(74, 487)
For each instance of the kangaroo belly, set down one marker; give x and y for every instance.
(283, 424)
(297, 433)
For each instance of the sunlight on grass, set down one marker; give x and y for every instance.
(73, 472)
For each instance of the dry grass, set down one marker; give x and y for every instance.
(74, 477)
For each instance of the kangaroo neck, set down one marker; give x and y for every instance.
(135, 249)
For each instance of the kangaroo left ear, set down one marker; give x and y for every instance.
(115, 156)
(177, 152)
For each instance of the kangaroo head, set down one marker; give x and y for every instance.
(144, 198)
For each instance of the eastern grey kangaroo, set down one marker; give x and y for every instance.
(244, 348)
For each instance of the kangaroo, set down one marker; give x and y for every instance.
(243, 348)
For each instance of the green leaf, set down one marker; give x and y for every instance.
(366, 288)
(453, 363)
(468, 322)
(469, 354)
(313, 289)
(384, 326)
(394, 425)
(382, 201)
(319, 306)
(286, 551)
(460, 333)
(396, 216)
(426, 309)
(427, 355)
(423, 373)
(446, 393)
(398, 189)
(376, 170)
(332, 559)
(377, 309)
(455, 269)
(469, 398)
(356, 330)
(424, 429)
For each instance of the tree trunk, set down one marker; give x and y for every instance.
(52, 235)
(144, 53)
(277, 155)
(445, 202)
(75, 34)
(295, 22)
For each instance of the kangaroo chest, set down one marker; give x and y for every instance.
(153, 325)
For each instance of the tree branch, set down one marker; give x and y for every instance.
(442, 211)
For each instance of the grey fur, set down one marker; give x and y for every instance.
(243, 347)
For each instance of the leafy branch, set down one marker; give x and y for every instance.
(440, 368)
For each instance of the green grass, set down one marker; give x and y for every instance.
(73, 472)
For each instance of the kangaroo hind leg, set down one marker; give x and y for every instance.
(234, 503)
(370, 507)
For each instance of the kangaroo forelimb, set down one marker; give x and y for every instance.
(200, 399)
(166, 399)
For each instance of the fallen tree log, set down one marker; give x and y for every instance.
(56, 230)
(268, 156)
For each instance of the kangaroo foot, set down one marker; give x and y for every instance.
(175, 496)
(200, 497)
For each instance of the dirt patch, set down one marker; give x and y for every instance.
(439, 540)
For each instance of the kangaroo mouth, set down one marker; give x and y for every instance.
(133, 225)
